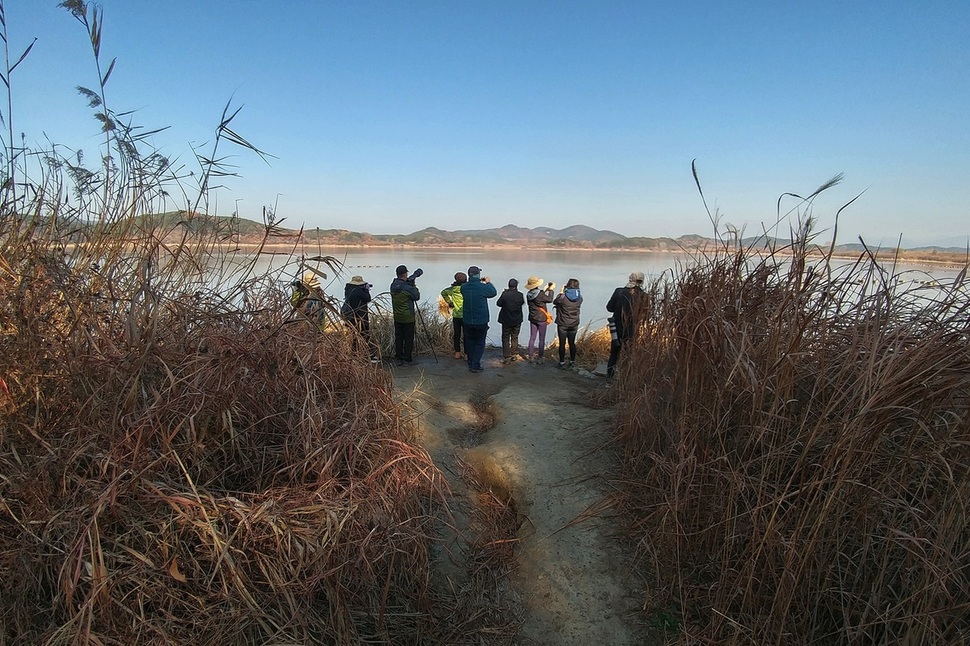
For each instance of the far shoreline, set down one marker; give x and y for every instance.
(943, 260)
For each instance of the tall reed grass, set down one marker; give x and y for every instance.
(181, 459)
(797, 444)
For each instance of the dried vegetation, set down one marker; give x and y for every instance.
(797, 445)
(182, 460)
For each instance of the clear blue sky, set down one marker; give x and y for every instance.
(391, 116)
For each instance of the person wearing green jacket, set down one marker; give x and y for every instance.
(455, 301)
(404, 294)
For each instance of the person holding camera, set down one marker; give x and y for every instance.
(567, 305)
(475, 294)
(404, 294)
(539, 316)
(354, 310)
(627, 305)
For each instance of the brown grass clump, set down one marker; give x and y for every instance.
(797, 448)
(182, 460)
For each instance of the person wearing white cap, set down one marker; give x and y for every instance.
(626, 304)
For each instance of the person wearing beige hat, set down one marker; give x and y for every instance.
(538, 297)
(307, 298)
(627, 305)
(354, 310)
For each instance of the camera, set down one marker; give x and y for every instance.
(417, 274)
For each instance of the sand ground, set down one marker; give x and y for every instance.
(527, 433)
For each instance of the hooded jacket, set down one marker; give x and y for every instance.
(403, 296)
(476, 294)
(455, 300)
(567, 308)
(537, 299)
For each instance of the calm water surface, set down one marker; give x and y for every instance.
(598, 272)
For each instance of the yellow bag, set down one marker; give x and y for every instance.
(548, 316)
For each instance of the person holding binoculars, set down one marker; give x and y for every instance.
(404, 294)
(475, 294)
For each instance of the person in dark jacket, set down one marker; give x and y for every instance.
(567, 305)
(626, 304)
(451, 295)
(404, 294)
(475, 294)
(539, 317)
(510, 304)
(354, 310)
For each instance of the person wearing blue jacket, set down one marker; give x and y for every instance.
(475, 294)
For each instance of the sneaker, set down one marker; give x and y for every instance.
(562, 364)
(540, 361)
(572, 364)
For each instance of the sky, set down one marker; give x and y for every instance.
(390, 116)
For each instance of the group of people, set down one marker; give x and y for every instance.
(467, 299)
(470, 293)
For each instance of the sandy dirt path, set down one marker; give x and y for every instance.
(526, 433)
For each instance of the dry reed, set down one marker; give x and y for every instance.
(796, 447)
(182, 459)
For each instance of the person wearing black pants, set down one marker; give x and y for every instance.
(567, 305)
(510, 316)
(626, 304)
(404, 294)
(451, 295)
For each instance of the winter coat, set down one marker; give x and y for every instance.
(455, 300)
(567, 309)
(510, 307)
(403, 297)
(476, 294)
(537, 299)
(356, 298)
(625, 303)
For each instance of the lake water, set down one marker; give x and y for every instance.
(599, 272)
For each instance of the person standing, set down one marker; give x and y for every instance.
(475, 294)
(307, 298)
(539, 317)
(452, 296)
(626, 304)
(567, 305)
(404, 294)
(354, 310)
(510, 316)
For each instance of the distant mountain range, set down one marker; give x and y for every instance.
(577, 236)
(573, 237)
